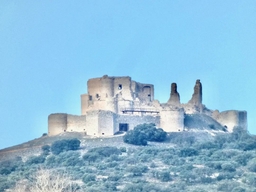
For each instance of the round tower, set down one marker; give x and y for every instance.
(57, 123)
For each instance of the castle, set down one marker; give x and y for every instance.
(118, 104)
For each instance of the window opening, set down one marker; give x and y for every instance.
(90, 97)
(123, 127)
(120, 86)
(97, 95)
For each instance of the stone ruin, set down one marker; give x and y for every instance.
(118, 104)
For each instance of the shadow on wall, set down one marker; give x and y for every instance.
(201, 121)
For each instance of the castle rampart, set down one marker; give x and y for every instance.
(231, 119)
(118, 104)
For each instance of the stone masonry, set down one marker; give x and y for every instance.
(118, 104)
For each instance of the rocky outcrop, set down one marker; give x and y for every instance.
(197, 95)
(174, 96)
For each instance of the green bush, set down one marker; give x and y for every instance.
(141, 187)
(228, 167)
(46, 149)
(105, 151)
(227, 186)
(88, 177)
(243, 158)
(51, 161)
(35, 160)
(65, 145)
(207, 145)
(137, 170)
(99, 153)
(143, 133)
(163, 176)
(114, 177)
(135, 137)
(226, 176)
(9, 166)
(91, 157)
(70, 158)
(187, 152)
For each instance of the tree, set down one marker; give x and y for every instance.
(135, 137)
(46, 149)
(143, 133)
(46, 180)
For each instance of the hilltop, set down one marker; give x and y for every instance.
(195, 160)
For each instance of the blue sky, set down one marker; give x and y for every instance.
(49, 49)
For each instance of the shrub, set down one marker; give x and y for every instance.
(226, 176)
(95, 154)
(249, 144)
(187, 152)
(214, 165)
(243, 158)
(65, 145)
(91, 157)
(163, 176)
(123, 149)
(46, 149)
(8, 166)
(88, 177)
(141, 187)
(137, 170)
(135, 137)
(105, 151)
(114, 177)
(70, 158)
(143, 133)
(51, 161)
(35, 160)
(228, 167)
(207, 145)
(227, 186)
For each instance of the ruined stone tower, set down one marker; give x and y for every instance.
(197, 95)
(174, 96)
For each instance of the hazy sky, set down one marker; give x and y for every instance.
(49, 49)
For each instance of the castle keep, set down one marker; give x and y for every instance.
(118, 104)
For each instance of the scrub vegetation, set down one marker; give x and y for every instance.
(179, 162)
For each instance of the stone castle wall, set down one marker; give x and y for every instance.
(231, 119)
(57, 123)
(135, 120)
(62, 122)
(76, 123)
(172, 120)
(114, 102)
(106, 123)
